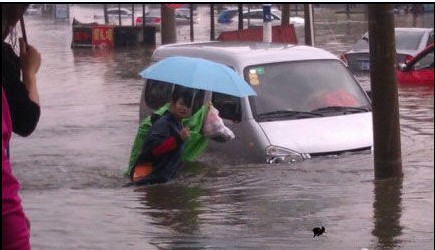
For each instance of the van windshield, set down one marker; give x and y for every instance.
(311, 88)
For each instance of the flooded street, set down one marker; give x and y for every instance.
(71, 167)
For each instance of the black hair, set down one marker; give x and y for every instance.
(183, 93)
(11, 14)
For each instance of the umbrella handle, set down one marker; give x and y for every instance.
(23, 30)
(193, 100)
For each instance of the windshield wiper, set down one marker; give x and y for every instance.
(344, 109)
(289, 114)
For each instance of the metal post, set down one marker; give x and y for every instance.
(132, 15)
(267, 23)
(249, 16)
(143, 23)
(386, 126)
(212, 28)
(285, 18)
(106, 17)
(119, 14)
(143, 15)
(191, 22)
(309, 24)
(240, 8)
(168, 25)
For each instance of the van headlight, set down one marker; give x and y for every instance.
(275, 154)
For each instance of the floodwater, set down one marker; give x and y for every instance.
(71, 167)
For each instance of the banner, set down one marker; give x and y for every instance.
(102, 36)
(280, 34)
(82, 36)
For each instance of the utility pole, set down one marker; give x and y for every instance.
(309, 24)
(385, 101)
(168, 25)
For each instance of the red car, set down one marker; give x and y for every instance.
(417, 70)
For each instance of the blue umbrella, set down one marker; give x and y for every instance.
(199, 73)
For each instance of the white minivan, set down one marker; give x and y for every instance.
(307, 104)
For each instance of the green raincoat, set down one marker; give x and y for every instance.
(194, 146)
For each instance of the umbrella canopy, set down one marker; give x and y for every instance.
(199, 73)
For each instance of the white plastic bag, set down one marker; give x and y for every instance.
(214, 127)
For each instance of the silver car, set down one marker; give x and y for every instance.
(308, 103)
(254, 17)
(409, 41)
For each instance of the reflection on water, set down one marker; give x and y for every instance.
(178, 212)
(179, 209)
(71, 167)
(387, 213)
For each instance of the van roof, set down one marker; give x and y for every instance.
(242, 54)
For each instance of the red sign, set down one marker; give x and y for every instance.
(82, 36)
(174, 6)
(102, 36)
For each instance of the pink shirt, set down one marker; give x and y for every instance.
(15, 233)
(10, 185)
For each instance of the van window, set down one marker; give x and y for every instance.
(228, 106)
(158, 93)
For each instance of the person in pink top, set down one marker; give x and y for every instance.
(15, 225)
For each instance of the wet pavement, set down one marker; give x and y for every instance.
(71, 167)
